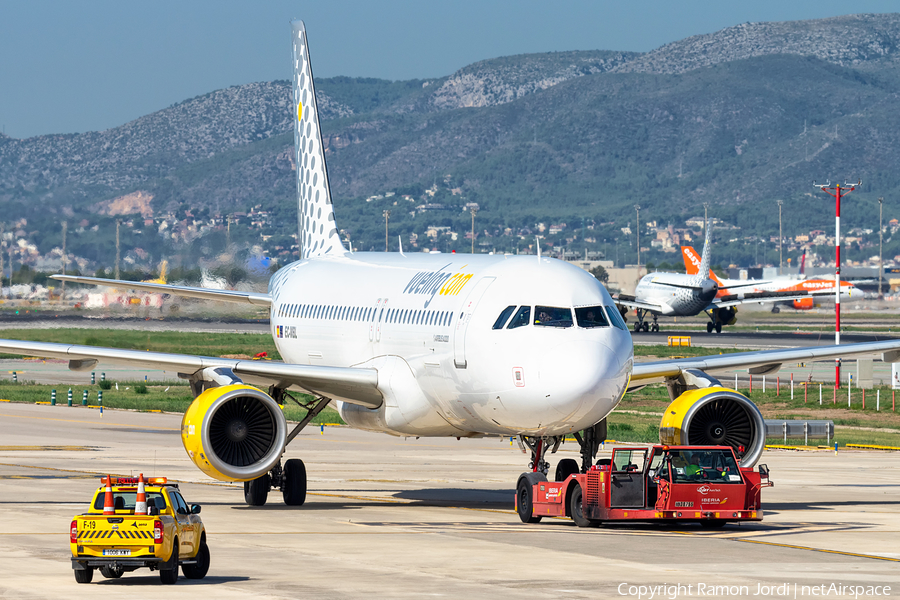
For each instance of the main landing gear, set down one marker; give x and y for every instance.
(290, 478)
(589, 440)
(641, 325)
(719, 317)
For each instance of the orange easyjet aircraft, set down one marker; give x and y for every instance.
(819, 290)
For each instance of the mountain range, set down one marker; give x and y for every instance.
(735, 119)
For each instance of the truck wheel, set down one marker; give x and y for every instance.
(170, 576)
(256, 491)
(111, 572)
(713, 524)
(84, 575)
(201, 567)
(566, 467)
(524, 505)
(577, 511)
(293, 483)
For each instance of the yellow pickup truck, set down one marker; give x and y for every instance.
(111, 538)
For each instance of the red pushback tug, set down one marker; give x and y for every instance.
(701, 484)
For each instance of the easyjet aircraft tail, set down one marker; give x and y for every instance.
(692, 264)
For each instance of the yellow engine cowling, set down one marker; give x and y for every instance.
(234, 432)
(715, 416)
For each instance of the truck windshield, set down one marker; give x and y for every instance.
(692, 466)
(125, 500)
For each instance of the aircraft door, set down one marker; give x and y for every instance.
(372, 321)
(378, 319)
(462, 321)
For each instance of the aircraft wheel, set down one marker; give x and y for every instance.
(566, 467)
(709, 327)
(654, 328)
(524, 504)
(293, 486)
(84, 575)
(718, 328)
(646, 327)
(637, 327)
(256, 491)
(776, 310)
(577, 511)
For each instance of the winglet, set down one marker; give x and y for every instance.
(318, 233)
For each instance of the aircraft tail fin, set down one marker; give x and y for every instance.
(318, 233)
(691, 260)
(692, 265)
(703, 269)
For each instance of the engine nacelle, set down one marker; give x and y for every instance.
(728, 316)
(234, 432)
(804, 304)
(715, 416)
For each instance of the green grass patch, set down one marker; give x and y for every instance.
(661, 351)
(162, 396)
(201, 344)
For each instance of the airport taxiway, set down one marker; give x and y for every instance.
(394, 517)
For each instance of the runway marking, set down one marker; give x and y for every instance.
(812, 549)
(91, 422)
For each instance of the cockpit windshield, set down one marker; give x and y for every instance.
(591, 316)
(551, 316)
(504, 316)
(521, 318)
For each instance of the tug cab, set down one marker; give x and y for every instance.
(702, 484)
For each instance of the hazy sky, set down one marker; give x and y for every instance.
(81, 66)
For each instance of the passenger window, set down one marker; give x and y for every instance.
(616, 317)
(521, 318)
(504, 317)
(551, 316)
(591, 316)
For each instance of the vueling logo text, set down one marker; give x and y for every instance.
(429, 283)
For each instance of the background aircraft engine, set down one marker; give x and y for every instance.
(234, 432)
(715, 416)
(728, 316)
(804, 304)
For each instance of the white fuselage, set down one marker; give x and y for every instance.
(425, 322)
(660, 289)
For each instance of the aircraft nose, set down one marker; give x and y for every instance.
(577, 376)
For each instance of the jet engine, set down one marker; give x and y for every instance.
(234, 432)
(804, 304)
(715, 416)
(728, 316)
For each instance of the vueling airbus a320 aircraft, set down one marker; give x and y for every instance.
(428, 345)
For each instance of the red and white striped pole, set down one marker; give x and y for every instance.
(837, 281)
(837, 191)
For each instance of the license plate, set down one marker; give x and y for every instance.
(116, 552)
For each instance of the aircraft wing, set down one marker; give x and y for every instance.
(353, 385)
(176, 290)
(761, 362)
(632, 302)
(761, 297)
